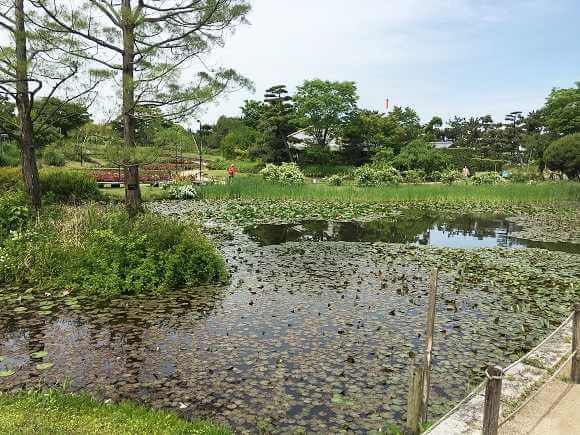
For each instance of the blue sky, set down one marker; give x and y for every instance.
(441, 57)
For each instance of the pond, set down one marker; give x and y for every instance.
(465, 231)
(307, 336)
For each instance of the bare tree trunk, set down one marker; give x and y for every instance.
(132, 189)
(24, 105)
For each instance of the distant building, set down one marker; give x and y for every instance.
(302, 139)
(442, 145)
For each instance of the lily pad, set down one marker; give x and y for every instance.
(39, 355)
(20, 309)
(6, 373)
(44, 366)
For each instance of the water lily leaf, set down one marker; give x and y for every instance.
(39, 355)
(44, 366)
(6, 373)
(20, 309)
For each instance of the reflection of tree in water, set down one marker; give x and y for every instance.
(475, 226)
(410, 228)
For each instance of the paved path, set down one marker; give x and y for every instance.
(554, 411)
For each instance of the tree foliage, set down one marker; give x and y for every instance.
(324, 107)
(561, 113)
(564, 155)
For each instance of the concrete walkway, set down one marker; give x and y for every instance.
(554, 411)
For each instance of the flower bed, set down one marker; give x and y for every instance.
(147, 176)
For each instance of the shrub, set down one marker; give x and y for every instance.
(434, 176)
(323, 171)
(180, 190)
(452, 176)
(414, 176)
(420, 155)
(10, 179)
(377, 175)
(486, 165)
(98, 250)
(14, 212)
(56, 184)
(335, 180)
(564, 155)
(10, 155)
(286, 173)
(52, 157)
(486, 178)
(69, 186)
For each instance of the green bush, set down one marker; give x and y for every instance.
(98, 250)
(180, 190)
(323, 171)
(9, 155)
(10, 179)
(53, 157)
(286, 173)
(486, 165)
(414, 176)
(335, 180)
(14, 212)
(452, 176)
(486, 178)
(56, 184)
(564, 155)
(377, 175)
(434, 176)
(69, 186)
(420, 155)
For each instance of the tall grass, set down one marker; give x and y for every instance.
(254, 187)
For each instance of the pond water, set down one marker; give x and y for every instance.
(464, 231)
(318, 337)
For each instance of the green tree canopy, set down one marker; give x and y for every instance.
(564, 155)
(325, 106)
(561, 113)
(64, 116)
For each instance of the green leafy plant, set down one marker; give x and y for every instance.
(69, 186)
(14, 212)
(452, 176)
(286, 173)
(180, 190)
(414, 176)
(54, 157)
(99, 250)
(335, 180)
(377, 175)
(487, 178)
(564, 155)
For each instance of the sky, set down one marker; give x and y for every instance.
(441, 57)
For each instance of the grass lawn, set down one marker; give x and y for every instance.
(255, 187)
(36, 412)
(148, 193)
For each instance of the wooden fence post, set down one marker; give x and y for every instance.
(414, 401)
(492, 400)
(431, 310)
(575, 372)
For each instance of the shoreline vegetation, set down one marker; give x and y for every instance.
(255, 188)
(54, 411)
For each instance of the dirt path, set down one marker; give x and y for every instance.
(554, 411)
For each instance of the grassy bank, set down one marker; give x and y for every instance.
(55, 412)
(250, 188)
